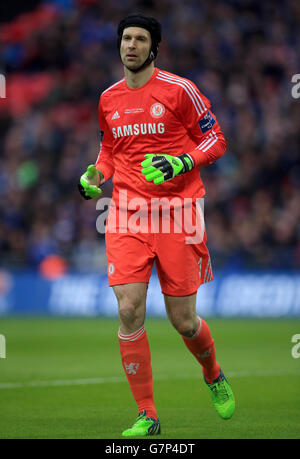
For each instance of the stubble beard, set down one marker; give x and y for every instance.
(131, 65)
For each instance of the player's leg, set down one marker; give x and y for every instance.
(135, 355)
(130, 260)
(131, 306)
(198, 339)
(195, 333)
(183, 265)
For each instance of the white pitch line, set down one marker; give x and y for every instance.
(62, 382)
(121, 379)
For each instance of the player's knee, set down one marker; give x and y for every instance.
(185, 328)
(127, 311)
(131, 302)
(131, 311)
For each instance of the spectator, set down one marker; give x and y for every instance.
(59, 57)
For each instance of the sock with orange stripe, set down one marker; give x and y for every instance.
(201, 345)
(136, 361)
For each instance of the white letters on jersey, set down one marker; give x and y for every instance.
(137, 129)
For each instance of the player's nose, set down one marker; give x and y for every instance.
(132, 44)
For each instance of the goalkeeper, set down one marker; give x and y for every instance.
(158, 131)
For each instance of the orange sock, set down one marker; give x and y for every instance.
(136, 360)
(202, 347)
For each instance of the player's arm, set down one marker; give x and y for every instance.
(207, 133)
(203, 128)
(98, 173)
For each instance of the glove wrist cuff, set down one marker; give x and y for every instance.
(187, 162)
(100, 175)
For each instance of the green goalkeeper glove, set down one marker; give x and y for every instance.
(161, 168)
(89, 181)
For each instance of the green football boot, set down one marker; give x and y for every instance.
(143, 426)
(222, 396)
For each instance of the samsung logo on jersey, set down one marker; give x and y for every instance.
(137, 129)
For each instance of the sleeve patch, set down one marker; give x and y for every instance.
(207, 122)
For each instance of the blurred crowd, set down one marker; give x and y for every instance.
(60, 56)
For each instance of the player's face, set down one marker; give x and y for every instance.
(135, 47)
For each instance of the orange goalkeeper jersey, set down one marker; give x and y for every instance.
(166, 115)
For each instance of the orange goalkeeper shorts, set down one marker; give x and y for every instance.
(182, 259)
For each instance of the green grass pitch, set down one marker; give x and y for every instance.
(62, 378)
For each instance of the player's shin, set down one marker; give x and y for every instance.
(201, 345)
(136, 360)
